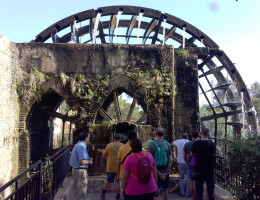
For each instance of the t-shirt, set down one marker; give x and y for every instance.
(205, 156)
(152, 149)
(123, 151)
(146, 144)
(180, 144)
(133, 187)
(112, 156)
(187, 148)
(79, 153)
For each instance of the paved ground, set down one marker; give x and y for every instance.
(96, 196)
(95, 185)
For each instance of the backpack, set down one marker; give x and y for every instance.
(161, 157)
(144, 169)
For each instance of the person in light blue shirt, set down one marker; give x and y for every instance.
(79, 162)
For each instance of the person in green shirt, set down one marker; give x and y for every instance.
(148, 142)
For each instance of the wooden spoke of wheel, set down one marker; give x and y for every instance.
(104, 114)
(131, 110)
(141, 119)
(117, 107)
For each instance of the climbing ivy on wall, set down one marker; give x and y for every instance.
(158, 84)
(29, 85)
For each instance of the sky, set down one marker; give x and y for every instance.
(233, 25)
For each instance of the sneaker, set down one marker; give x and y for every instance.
(182, 195)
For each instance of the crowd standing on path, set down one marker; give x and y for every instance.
(143, 173)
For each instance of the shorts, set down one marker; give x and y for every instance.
(164, 184)
(111, 177)
(189, 174)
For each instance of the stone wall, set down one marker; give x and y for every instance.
(186, 110)
(9, 111)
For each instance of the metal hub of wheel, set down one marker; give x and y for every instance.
(139, 25)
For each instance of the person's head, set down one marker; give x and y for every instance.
(83, 136)
(195, 134)
(136, 145)
(123, 138)
(204, 132)
(117, 137)
(159, 132)
(131, 135)
(185, 136)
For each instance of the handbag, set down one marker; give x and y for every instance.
(193, 162)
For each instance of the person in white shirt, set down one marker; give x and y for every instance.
(182, 164)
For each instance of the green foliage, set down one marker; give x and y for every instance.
(158, 84)
(29, 85)
(182, 52)
(243, 158)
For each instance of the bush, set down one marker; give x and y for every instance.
(243, 160)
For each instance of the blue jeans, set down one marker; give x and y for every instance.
(183, 172)
(210, 182)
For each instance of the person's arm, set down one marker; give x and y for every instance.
(83, 156)
(155, 174)
(174, 143)
(86, 162)
(185, 156)
(185, 153)
(169, 160)
(125, 179)
(105, 154)
(193, 149)
(118, 165)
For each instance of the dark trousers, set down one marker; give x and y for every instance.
(148, 196)
(210, 182)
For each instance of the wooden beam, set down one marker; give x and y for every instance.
(141, 119)
(117, 107)
(104, 114)
(131, 110)
(210, 117)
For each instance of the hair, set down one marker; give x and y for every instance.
(83, 135)
(185, 135)
(131, 134)
(159, 131)
(136, 145)
(205, 132)
(117, 136)
(195, 134)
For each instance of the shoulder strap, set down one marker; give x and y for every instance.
(155, 144)
(164, 143)
(114, 148)
(126, 157)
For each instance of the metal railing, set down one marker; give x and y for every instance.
(235, 183)
(41, 180)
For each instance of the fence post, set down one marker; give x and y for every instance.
(40, 183)
(53, 177)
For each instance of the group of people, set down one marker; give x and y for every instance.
(141, 171)
(196, 159)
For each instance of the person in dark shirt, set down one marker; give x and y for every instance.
(186, 156)
(204, 150)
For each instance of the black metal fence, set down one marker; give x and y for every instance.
(237, 184)
(41, 180)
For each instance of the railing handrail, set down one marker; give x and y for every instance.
(37, 178)
(54, 155)
(34, 165)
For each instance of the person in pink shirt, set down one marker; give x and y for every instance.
(132, 187)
